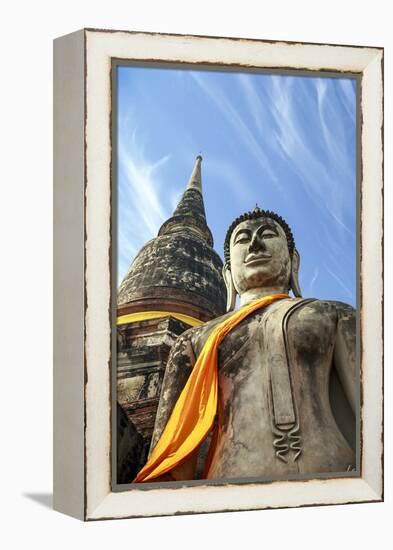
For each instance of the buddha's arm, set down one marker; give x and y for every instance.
(345, 352)
(180, 363)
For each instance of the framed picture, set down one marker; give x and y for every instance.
(218, 274)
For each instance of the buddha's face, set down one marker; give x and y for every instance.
(259, 255)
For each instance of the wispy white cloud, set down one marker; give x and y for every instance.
(142, 187)
(141, 208)
(330, 140)
(332, 126)
(348, 87)
(293, 141)
(299, 146)
(333, 249)
(254, 102)
(341, 283)
(313, 279)
(234, 118)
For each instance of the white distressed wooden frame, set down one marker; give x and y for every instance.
(82, 382)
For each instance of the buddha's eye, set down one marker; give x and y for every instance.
(268, 234)
(242, 238)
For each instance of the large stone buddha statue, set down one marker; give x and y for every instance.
(285, 400)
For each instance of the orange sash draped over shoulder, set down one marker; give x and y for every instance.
(194, 412)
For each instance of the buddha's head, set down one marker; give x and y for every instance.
(260, 253)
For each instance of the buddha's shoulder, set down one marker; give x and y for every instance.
(327, 307)
(334, 309)
(200, 333)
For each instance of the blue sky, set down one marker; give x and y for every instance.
(285, 142)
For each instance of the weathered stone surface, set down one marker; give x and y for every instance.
(287, 375)
(131, 448)
(177, 264)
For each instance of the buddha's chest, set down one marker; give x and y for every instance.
(302, 341)
(275, 369)
(274, 413)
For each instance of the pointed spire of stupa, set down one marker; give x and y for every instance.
(190, 212)
(195, 181)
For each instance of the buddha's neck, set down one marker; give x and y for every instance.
(256, 293)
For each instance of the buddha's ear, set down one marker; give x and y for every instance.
(231, 291)
(294, 282)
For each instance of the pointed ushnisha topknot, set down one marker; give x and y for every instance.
(258, 213)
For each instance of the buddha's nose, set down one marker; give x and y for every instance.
(256, 244)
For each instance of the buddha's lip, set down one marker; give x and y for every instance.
(257, 259)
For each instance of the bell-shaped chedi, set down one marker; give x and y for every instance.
(178, 271)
